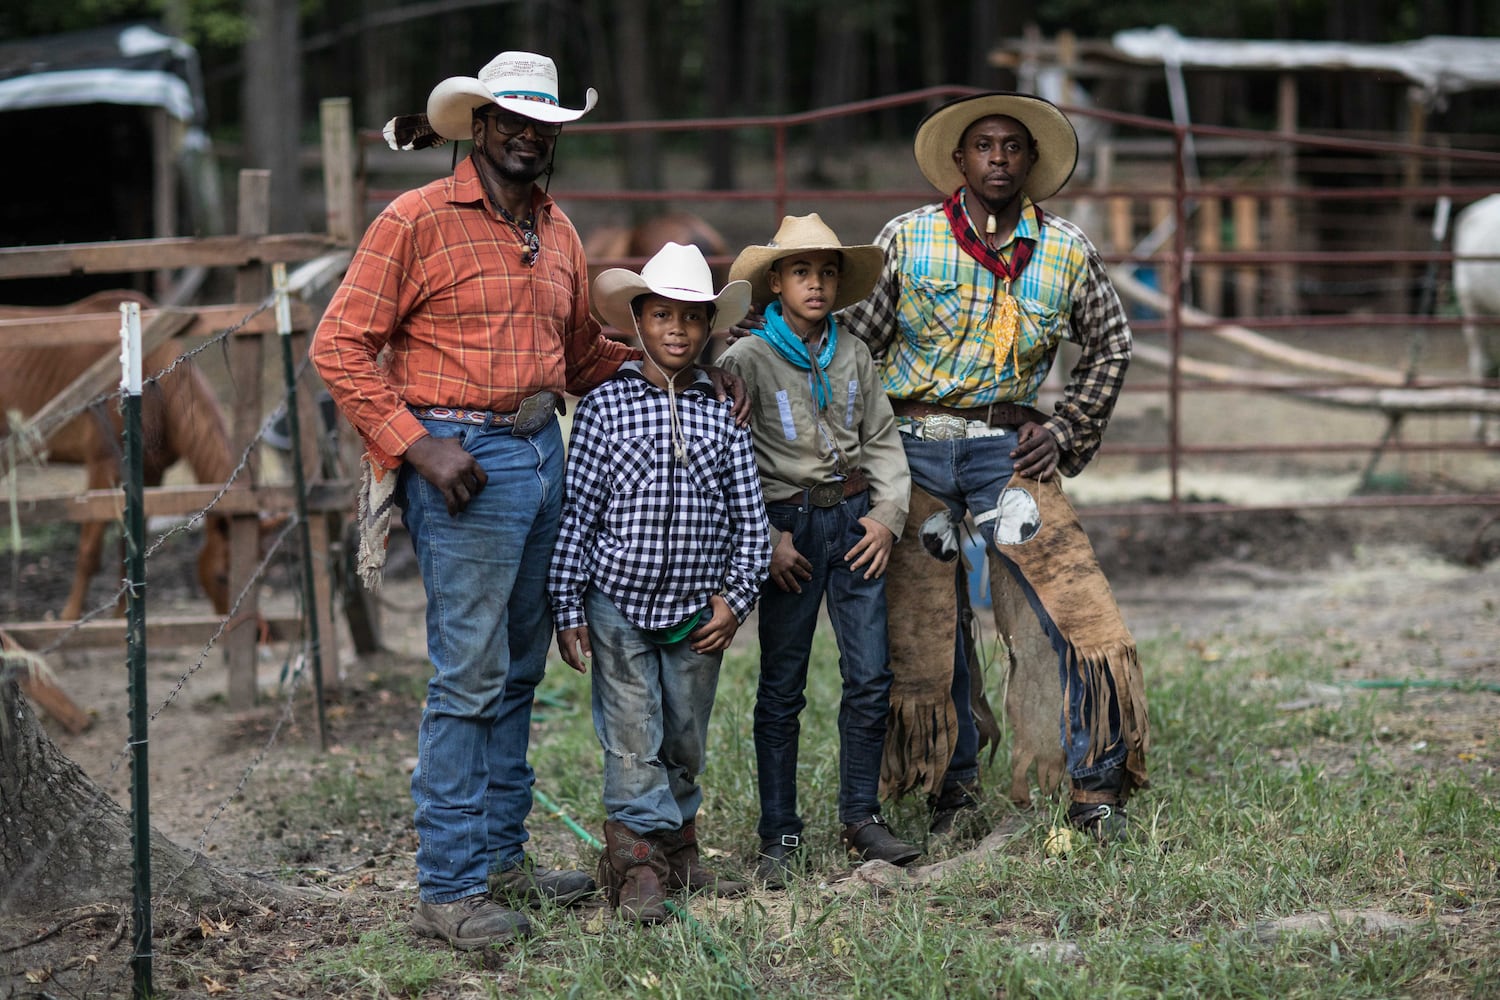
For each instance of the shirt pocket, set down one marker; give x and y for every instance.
(634, 465)
(936, 308)
(1043, 324)
(702, 467)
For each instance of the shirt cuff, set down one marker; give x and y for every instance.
(569, 617)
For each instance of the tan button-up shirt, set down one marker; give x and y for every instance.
(798, 447)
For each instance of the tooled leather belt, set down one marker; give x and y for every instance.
(830, 494)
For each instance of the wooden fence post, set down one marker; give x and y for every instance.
(246, 369)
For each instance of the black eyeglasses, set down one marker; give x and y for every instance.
(512, 124)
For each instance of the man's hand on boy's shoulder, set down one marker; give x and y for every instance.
(715, 635)
(573, 643)
(872, 551)
(788, 566)
(746, 327)
(728, 385)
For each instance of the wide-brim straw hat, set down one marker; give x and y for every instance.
(676, 272)
(523, 82)
(940, 133)
(857, 277)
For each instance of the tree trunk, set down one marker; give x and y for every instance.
(635, 80)
(66, 843)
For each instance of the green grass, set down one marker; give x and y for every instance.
(1257, 813)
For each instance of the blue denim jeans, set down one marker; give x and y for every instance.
(488, 633)
(856, 607)
(968, 474)
(651, 709)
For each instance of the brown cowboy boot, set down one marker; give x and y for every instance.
(687, 872)
(632, 872)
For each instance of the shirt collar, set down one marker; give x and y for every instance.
(468, 189)
(1027, 228)
(635, 369)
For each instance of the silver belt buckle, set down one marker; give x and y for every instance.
(944, 427)
(534, 413)
(826, 494)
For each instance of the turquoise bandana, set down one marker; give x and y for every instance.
(785, 342)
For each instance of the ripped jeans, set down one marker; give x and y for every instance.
(651, 708)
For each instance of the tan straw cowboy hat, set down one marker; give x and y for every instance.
(676, 272)
(940, 132)
(522, 82)
(861, 264)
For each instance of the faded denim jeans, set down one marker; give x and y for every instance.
(489, 629)
(969, 473)
(857, 610)
(651, 708)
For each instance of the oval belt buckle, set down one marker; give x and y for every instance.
(826, 494)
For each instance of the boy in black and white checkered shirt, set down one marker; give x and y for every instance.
(663, 547)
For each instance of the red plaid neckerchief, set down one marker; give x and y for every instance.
(1007, 324)
(975, 246)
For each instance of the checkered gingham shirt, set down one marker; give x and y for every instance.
(925, 324)
(657, 535)
(438, 279)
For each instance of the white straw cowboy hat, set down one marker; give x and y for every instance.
(522, 82)
(940, 132)
(861, 264)
(676, 272)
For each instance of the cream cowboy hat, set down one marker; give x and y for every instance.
(940, 132)
(861, 267)
(676, 272)
(522, 82)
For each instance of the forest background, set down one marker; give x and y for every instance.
(267, 63)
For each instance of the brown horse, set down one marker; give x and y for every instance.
(649, 236)
(181, 420)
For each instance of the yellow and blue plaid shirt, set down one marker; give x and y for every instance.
(928, 323)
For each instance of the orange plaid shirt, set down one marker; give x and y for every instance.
(438, 279)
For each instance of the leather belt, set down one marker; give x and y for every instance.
(994, 415)
(830, 494)
(534, 413)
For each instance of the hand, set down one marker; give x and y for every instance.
(728, 385)
(1036, 453)
(444, 463)
(874, 549)
(717, 633)
(746, 327)
(573, 643)
(788, 566)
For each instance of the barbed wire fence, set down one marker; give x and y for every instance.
(26, 446)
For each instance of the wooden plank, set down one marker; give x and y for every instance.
(340, 192)
(45, 693)
(96, 379)
(145, 255)
(335, 496)
(103, 328)
(162, 631)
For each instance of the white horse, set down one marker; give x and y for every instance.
(1476, 283)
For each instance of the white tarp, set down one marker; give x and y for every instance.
(1437, 65)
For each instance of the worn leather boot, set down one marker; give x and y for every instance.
(687, 871)
(777, 859)
(871, 840)
(633, 871)
(947, 807)
(1097, 805)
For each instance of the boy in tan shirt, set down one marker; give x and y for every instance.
(836, 484)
